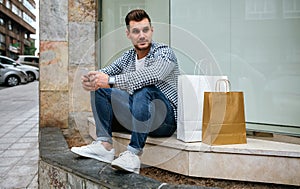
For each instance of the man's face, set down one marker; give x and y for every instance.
(140, 34)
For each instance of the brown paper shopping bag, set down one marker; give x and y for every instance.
(223, 119)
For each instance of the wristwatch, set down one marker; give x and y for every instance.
(111, 81)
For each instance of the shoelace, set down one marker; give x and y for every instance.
(126, 152)
(88, 146)
(95, 142)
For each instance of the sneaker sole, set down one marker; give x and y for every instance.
(119, 167)
(97, 157)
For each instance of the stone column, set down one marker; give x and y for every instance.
(67, 44)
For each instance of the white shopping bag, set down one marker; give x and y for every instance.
(190, 104)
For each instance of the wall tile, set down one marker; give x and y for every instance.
(53, 65)
(82, 43)
(82, 11)
(54, 109)
(53, 20)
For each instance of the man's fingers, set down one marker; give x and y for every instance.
(85, 78)
(93, 73)
(94, 80)
(89, 86)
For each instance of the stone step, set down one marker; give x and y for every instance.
(60, 168)
(257, 161)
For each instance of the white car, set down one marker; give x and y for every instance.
(11, 76)
(30, 60)
(32, 72)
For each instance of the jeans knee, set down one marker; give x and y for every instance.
(142, 92)
(144, 104)
(102, 91)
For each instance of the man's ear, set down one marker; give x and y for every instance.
(127, 33)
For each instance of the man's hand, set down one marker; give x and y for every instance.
(94, 80)
(87, 84)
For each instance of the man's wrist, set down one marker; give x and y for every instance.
(111, 81)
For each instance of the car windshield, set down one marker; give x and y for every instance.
(6, 61)
(31, 59)
(9, 62)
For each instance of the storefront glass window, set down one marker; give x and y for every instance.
(256, 43)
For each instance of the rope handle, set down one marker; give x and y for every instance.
(202, 63)
(227, 85)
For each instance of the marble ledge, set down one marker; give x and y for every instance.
(253, 146)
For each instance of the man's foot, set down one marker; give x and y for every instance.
(96, 151)
(127, 161)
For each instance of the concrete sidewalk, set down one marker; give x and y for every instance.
(19, 123)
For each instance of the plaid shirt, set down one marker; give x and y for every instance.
(161, 69)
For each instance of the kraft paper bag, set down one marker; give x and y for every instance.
(191, 90)
(223, 118)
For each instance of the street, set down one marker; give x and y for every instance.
(2, 87)
(19, 127)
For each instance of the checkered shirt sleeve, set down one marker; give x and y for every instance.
(161, 69)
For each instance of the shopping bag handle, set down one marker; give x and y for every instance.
(227, 85)
(200, 64)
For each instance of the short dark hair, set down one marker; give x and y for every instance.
(136, 15)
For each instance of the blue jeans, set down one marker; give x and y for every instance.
(145, 113)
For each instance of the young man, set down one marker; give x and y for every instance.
(139, 90)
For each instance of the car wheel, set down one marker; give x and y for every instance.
(12, 81)
(31, 76)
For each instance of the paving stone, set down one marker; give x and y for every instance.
(19, 114)
(33, 152)
(4, 146)
(14, 153)
(21, 169)
(14, 135)
(15, 181)
(4, 170)
(28, 161)
(28, 139)
(34, 183)
(9, 140)
(9, 161)
(22, 146)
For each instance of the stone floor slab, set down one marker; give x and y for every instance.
(9, 161)
(21, 169)
(16, 181)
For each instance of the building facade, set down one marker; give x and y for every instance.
(17, 24)
(256, 43)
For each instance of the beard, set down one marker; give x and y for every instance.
(143, 48)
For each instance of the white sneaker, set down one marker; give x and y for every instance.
(96, 151)
(127, 161)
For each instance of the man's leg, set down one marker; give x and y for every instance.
(150, 112)
(152, 115)
(105, 104)
(145, 112)
(102, 112)
(101, 149)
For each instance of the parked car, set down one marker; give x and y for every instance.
(32, 72)
(28, 60)
(12, 76)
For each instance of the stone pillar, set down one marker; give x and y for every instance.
(67, 44)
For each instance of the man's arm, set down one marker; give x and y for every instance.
(114, 68)
(163, 63)
(99, 79)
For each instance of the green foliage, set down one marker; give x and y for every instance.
(30, 50)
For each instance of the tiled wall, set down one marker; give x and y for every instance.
(67, 43)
